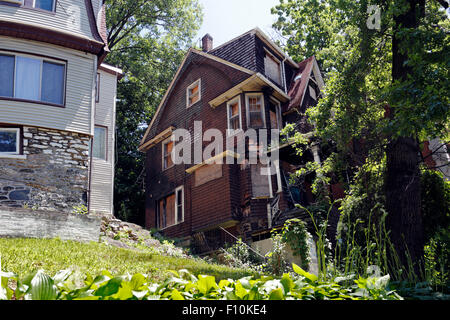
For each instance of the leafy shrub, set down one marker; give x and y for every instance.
(276, 262)
(238, 255)
(182, 285)
(81, 209)
(295, 234)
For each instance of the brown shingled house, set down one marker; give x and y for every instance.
(248, 82)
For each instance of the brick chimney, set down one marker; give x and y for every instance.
(207, 43)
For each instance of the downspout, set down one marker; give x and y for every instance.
(284, 75)
(93, 132)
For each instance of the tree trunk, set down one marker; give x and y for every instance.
(402, 185)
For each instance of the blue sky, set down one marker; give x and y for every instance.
(227, 19)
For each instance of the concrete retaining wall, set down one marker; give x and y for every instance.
(17, 223)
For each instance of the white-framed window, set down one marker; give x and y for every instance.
(48, 5)
(255, 110)
(9, 141)
(193, 93)
(272, 67)
(179, 204)
(275, 114)
(234, 116)
(99, 149)
(32, 78)
(167, 147)
(170, 209)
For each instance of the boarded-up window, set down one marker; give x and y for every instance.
(193, 93)
(166, 211)
(273, 68)
(275, 115)
(167, 156)
(207, 173)
(260, 182)
(234, 114)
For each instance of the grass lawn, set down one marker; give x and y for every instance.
(22, 256)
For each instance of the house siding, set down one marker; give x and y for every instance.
(71, 16)
(76, 115)
(102, 183)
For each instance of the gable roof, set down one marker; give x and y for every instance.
(191, 52)
(261, 35)
(300, 83)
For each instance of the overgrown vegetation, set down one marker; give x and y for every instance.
(23, 256)
(183, 285)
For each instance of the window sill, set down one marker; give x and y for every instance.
(13, 156)
(33, 101)
(193, 104)
(173, 225)
(39, 10)
(164, 169)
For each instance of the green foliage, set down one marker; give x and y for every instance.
(182, 285)
(295, 234)
(23, 256)
(81, 209)
(239, 255)
(276, 262)
(435, 202)
(437, 260)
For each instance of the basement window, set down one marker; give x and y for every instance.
(9, 141)
(193, 93)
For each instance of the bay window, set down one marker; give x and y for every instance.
(234, 114)
(255, 111)
(32, 79)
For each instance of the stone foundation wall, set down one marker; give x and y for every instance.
(54, 175)
(21, 223)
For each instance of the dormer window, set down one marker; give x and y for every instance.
(272, 67)
(193, 93)
(48, 5)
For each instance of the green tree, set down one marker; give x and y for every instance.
(148, 40)
(387, 87)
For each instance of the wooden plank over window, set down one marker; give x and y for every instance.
(207, 173)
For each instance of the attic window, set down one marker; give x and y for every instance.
(193, 93)
(272, 68)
